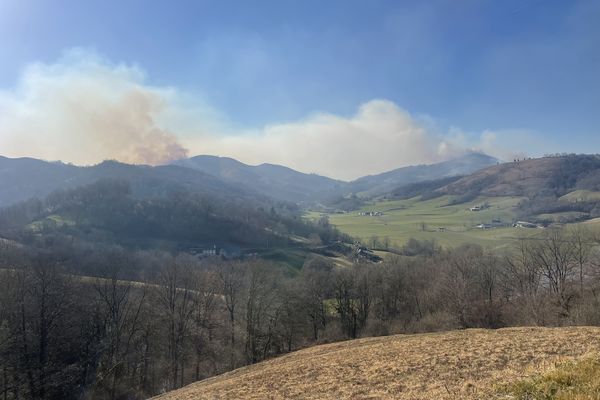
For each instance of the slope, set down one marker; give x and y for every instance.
(459, 364)
(373, 185)
(546, 176)
(273, 180)
(25, 178)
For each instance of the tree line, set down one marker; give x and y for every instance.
(125, 332)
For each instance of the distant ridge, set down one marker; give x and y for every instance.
(373, 185)
(273, 180)
(24, 178)
(536, 177)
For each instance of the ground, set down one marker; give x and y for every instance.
(467, 364)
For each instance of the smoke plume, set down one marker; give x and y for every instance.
(84, 110)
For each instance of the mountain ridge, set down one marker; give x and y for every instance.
(26, 177)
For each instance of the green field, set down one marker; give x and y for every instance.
(449, 225)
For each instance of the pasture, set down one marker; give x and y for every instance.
(438, 219)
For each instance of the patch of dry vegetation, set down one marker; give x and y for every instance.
(466, 364)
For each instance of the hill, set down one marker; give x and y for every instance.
(170, 208)
(483, 206)
(547, 176)
(556, 189)
(374, 185)
(275, 181)
(459, 364)
(25, 178)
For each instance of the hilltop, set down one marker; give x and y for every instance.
(273, 180)
(547, 176)
(25, 178)
(373, 185)
(466, 364)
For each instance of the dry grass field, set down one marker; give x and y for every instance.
(469, 364)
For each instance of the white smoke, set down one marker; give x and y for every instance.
(85, 109)
(379, 137)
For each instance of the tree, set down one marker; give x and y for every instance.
(261, 310)
(176, 294)
(315, 287)
(352, 299)
(231, 278)
(120, 310)
(554, 255)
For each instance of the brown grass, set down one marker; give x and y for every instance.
(467, 364)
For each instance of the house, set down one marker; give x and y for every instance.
(441, 229)
(484, 226)
(202, 252)
(525, 224)
(475, 208)
(370, 213)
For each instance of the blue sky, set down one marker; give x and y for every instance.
(527, 71)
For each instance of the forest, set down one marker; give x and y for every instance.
(87, 321)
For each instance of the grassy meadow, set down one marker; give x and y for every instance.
(448, 225)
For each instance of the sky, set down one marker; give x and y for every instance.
(340, 88)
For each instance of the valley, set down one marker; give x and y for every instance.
(225, 199)
(204, 271)
(436, 219)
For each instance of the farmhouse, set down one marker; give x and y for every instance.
(370, 213)
(524, 224)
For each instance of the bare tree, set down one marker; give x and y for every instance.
(555, 256)
(231, 276)
(120, 309)
(582, 241)
(353, 299)
(176, 295)
(261, 311)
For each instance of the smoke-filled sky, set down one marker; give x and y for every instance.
(342, 88)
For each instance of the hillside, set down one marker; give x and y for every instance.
(373, 185)
(142, 212)
(548, 176)
(273, 180)
(459, 364)
(25, 178)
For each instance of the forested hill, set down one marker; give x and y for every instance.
(137, 215)
(275, 181)
(379, 184)
(547, 176)
(25, 178)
